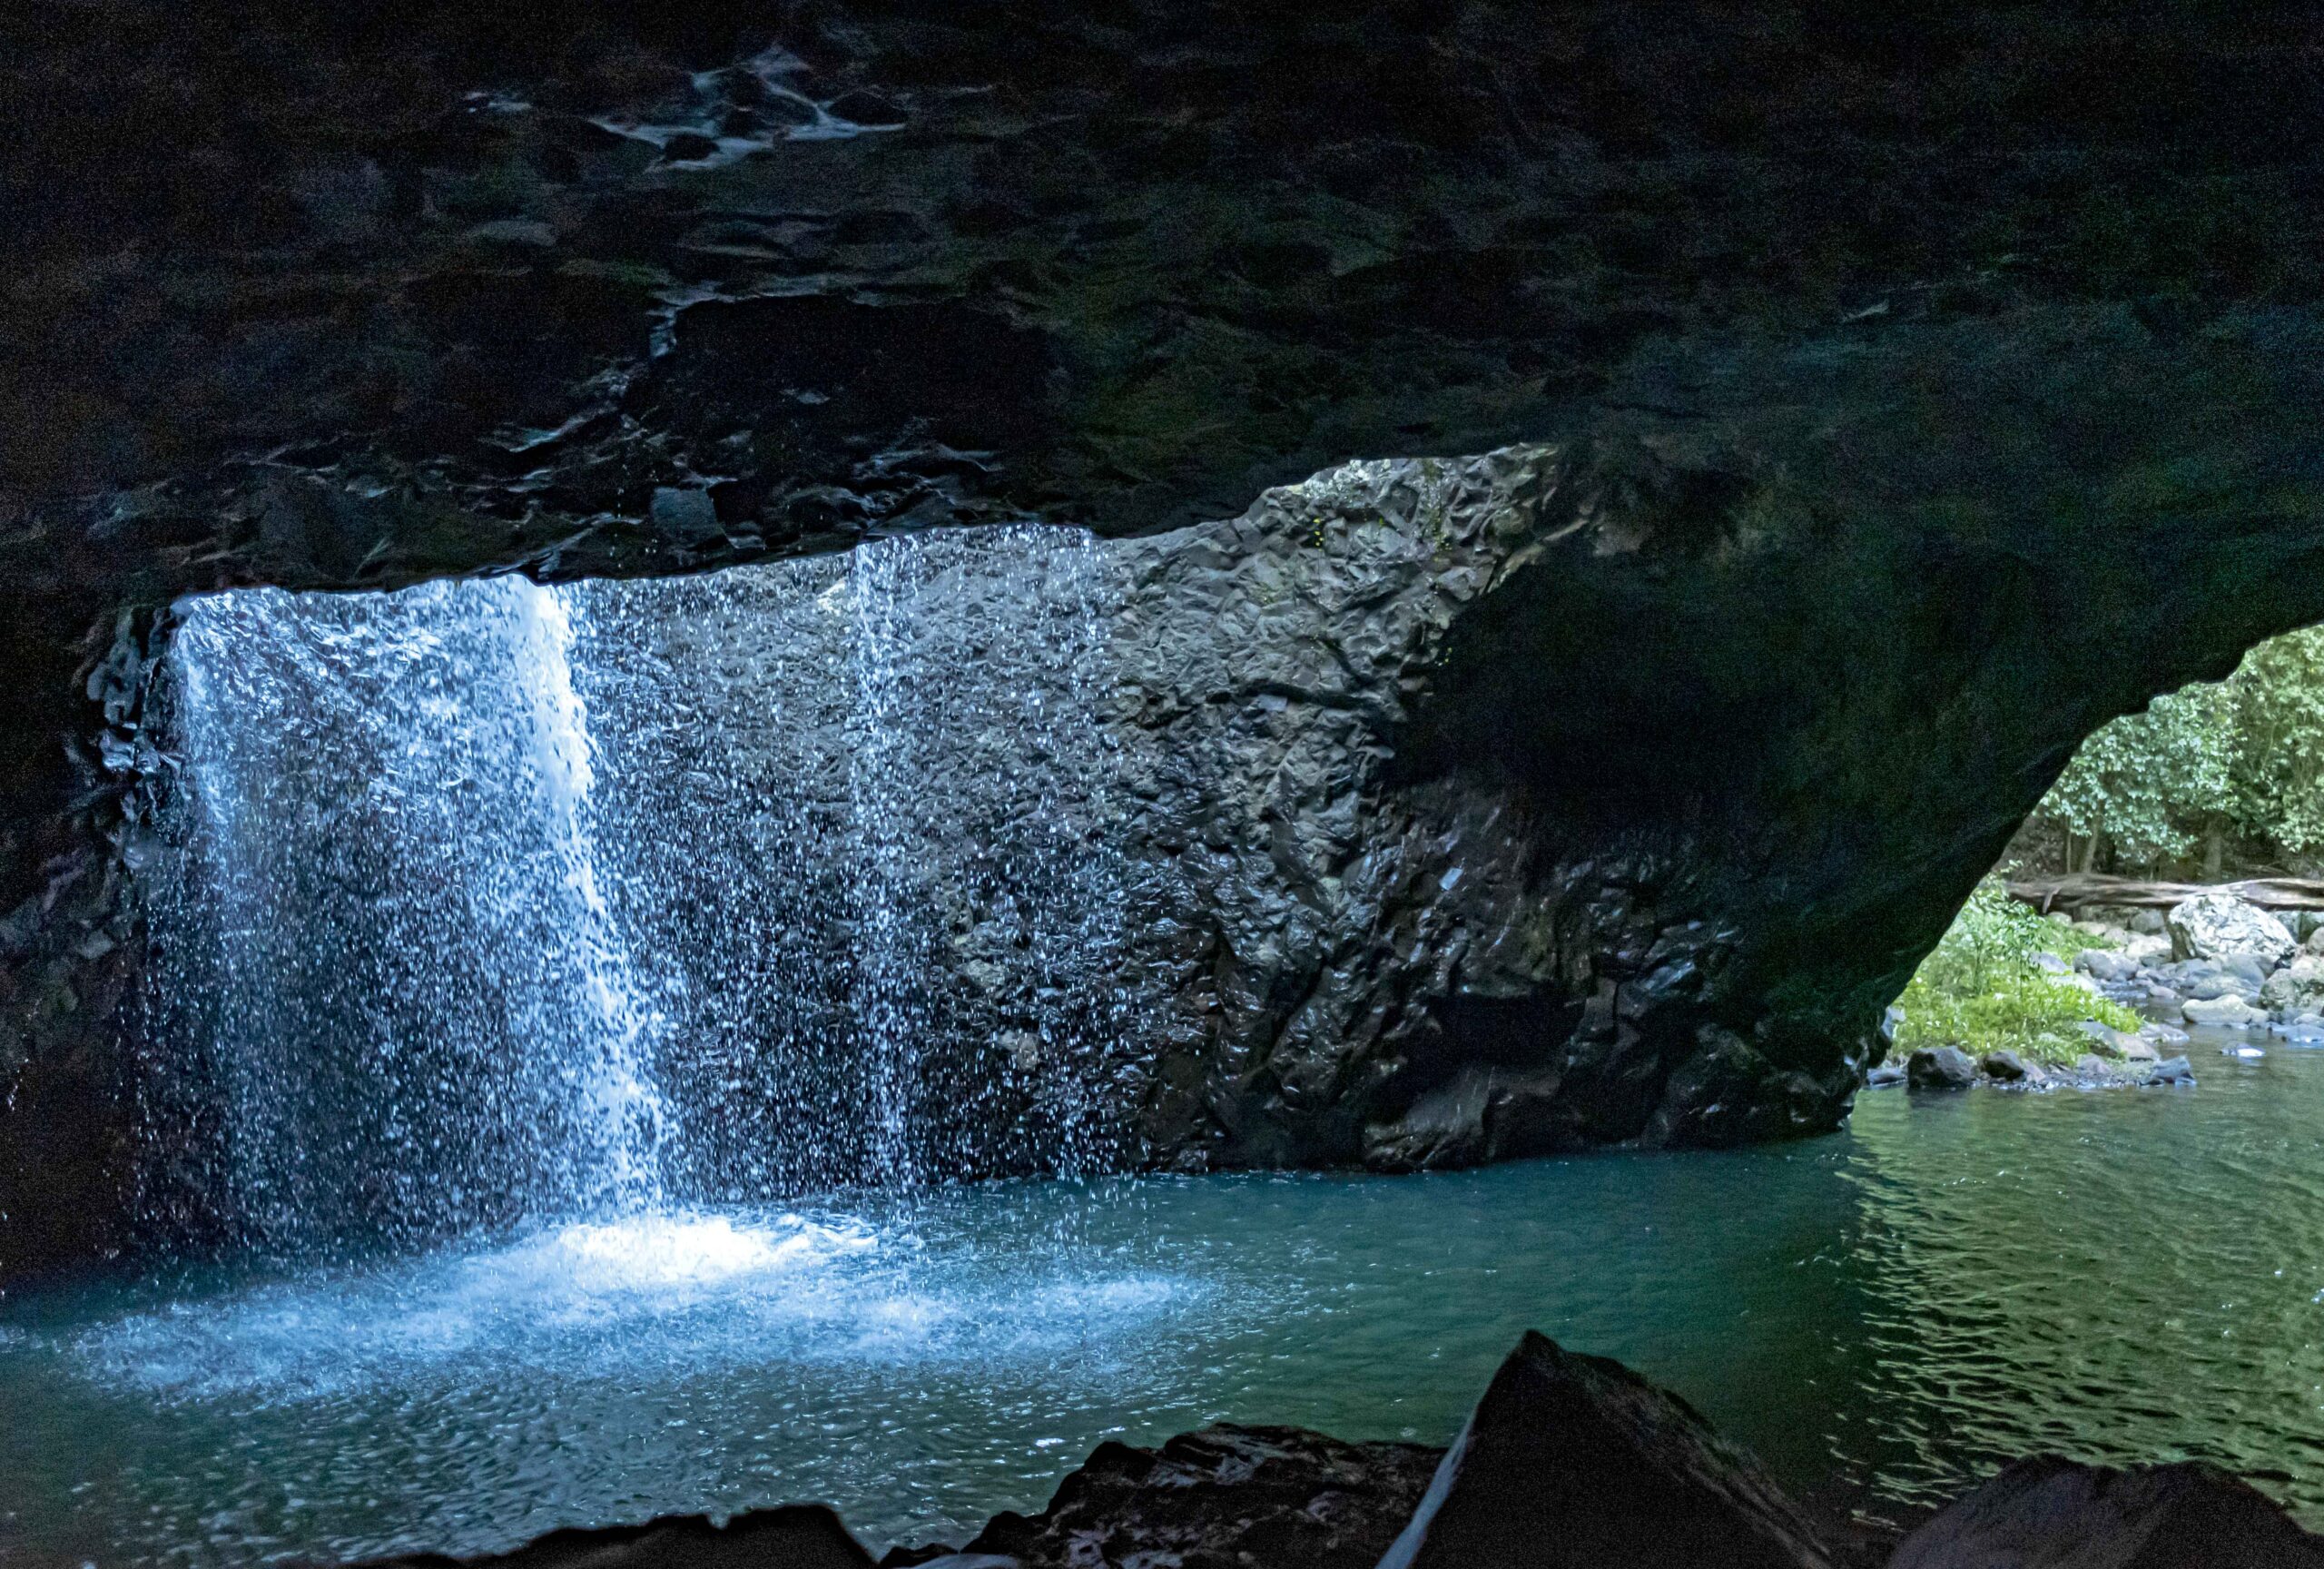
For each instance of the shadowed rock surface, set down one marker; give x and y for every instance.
(800, 1536)
(1279, 1496)
(1853, 338)
(1573, 1462)
(1567, 1462)
(2054, 1513)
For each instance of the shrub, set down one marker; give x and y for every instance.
(1983, 990)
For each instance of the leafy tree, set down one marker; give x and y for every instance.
(2279, 769)
(2149, 780)
(2247, 753)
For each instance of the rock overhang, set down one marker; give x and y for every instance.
(1854, 338)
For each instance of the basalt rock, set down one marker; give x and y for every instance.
(1567, 1460)
(1573, 1462)
(1848, 342)
(799, 1536)
(2054, 1513)
(1279, 1496)
(1940, 1068)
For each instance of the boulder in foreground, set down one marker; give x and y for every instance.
(1280, 1497)
(1575, 1462)
(2054, 1514)
(1567, 1462)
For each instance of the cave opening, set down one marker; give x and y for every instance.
(611, 1018)
(607, 909)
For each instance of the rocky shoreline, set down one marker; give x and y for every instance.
(2214, 961)
(1567, 1462)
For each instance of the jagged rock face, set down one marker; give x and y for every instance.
(1374, 956)
(1923, 393)
(1275, 1495)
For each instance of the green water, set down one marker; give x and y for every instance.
(2127, 1276)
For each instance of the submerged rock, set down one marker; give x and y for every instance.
(2176, 1071)
(1575, 1462)
(2222, 927)
(2054, 1514)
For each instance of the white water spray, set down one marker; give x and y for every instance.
(498, 903)
(621, 1113)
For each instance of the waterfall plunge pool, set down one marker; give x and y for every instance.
(529, 961)
(2126, 1276)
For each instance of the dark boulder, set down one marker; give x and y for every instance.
(2054, 1514)
(799, 1536)
(1567, 1462)
(2005, 1067)
(1279, 1496)
(1940, 1068)
(1575, 1462)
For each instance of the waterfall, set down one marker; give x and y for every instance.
(611, 1075)
(887, 968)
(493, 900)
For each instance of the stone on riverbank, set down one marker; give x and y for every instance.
(2229, 1012)
(2008, 1066)
(2298, 986)
(2054, 1514)
(1940, 1068)
(2222, 927)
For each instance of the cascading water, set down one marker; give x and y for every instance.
(498, 901)
(887, 969)
(383, 926)
(617, 1030)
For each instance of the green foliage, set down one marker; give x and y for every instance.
(2144, 779)
(2278, 774)
(1982, 988)
(2246, 752)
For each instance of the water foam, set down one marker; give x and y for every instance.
(596, 1300)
